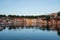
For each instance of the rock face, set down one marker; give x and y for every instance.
(54, 21)
(29, 21)
(18, 21)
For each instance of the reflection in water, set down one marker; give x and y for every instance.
(30, 23)
(41, 27)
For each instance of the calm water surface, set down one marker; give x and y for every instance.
(28, 33)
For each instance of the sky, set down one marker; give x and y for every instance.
(29, 7)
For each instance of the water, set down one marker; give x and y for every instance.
(29, 33)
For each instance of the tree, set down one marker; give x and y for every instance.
(2, 15)
(47, 17)
(58, 13)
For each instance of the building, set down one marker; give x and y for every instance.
(53, 15)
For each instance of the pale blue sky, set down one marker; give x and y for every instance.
(29, 7)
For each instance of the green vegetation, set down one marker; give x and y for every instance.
(58, 13)
(40, 16)
(2, 15)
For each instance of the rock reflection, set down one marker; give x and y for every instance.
(41, 27)
(2, 28)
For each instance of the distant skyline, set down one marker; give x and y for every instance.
(29, 7)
